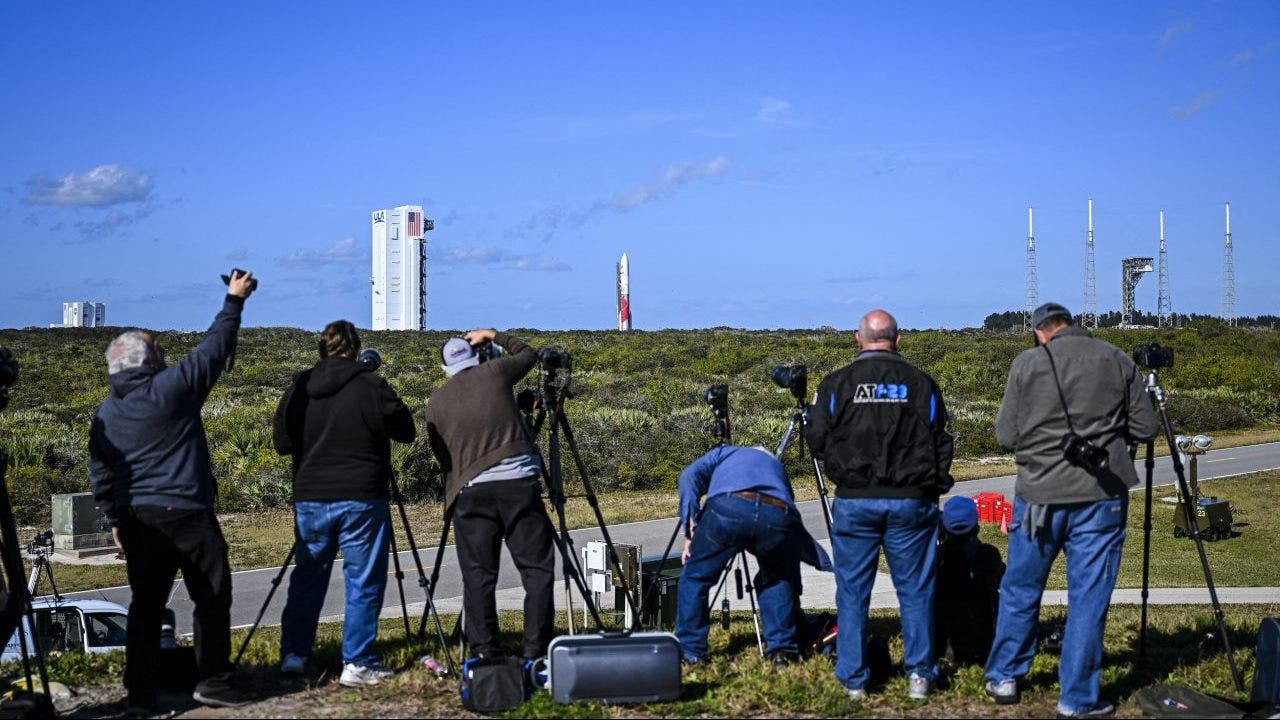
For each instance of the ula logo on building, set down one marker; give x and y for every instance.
(380, 216)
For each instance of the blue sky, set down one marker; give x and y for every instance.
(764, 165)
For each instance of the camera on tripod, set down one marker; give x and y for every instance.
(1153, 355)
(793, 377)
(370, 360)
(1082, 453)
(41, 544)
(556, 368)
(717, 396)
(8, 375)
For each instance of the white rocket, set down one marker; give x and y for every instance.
(624, 294)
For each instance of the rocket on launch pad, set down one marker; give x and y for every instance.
(624, 294)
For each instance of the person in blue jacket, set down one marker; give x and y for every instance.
(749, 506)
(149, 466)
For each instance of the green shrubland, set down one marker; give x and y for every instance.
(637, 409)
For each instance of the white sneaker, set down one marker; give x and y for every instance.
(856, 694)
(293, 665)
(918, 688)
(363, 675)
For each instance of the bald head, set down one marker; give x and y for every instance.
(878, 331)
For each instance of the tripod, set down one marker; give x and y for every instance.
(554, 379)
(18, 607)
(1157, 395)
(398, 499)
(800, 420)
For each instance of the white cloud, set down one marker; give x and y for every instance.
(498, 257)
(547, 222)
(772, 109)
(343, 252)
(1203, 102)
(1173, 33)
(100, 187)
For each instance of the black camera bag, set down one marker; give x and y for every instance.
(490, 686)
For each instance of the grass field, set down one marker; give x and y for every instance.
(261, 539)
(1183, 648)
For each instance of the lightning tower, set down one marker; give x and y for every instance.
(624, 293)
(1089, 313)
(1228, 310)
(1164, 303)
(1031, 296)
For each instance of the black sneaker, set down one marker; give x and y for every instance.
(783, 658)
(221, 694)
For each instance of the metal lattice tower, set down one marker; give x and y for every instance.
(1031, 297)
(1089, 309)
(1131, 271)
(1164, 303)
(427, 226)
(1228, 311)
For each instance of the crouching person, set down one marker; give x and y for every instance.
(338, 421)
(967, 598)
(750, 507)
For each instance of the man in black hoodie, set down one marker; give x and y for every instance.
(149, 465)
(338, 421)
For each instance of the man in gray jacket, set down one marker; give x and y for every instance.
(1071, 407)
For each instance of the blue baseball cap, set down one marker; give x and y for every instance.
(959, 515)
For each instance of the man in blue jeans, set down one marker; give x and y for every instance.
(1070, 384)
(879, 426)
(749, 507)
(337, 420)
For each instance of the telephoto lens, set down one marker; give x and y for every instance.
(370, 360)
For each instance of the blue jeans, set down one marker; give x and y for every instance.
(1092, 536)
(728, 525)
(908, 531)
(360, 528)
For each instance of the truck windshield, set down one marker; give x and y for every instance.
(107, 629)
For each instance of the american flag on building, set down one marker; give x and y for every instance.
(415, 223)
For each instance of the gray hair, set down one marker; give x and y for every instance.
(128, 350)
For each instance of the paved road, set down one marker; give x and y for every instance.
(252, 586)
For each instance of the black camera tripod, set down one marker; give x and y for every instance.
(1157, 395)
(18, 608)
(800, 421)
(430, 610)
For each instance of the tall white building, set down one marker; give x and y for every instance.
(399, 268)
(84, 314)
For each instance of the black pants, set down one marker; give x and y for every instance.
(483, 516)
(157, 543)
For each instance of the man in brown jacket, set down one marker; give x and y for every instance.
(493, 484)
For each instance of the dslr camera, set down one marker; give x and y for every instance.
(717, 396)
(791, 377)
(237, 272)
(1082, 453)
(370, 360)
(1153, 355)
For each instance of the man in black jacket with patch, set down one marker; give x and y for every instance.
(149, 465)
(338, 421)
(879, 425)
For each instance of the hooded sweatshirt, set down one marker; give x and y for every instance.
(147, 444)
(338, 421)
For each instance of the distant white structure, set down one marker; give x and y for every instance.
(83, 313)
(399, 268)
(624, 293)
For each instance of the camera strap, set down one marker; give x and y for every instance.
(1058, 384)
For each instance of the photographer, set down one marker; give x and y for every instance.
(749, 506)
(493, 487)
(1071, 406)
(149, 465)
(337, 421)
(879, 426)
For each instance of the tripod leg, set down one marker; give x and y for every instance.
(1146, 547)
(435, 569)
(275, 585)
(817, 474)
(751, 596)
(631, 597)
(395, 561)
(1157, 395)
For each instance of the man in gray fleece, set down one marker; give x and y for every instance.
(1070, 384)
(493, 487)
